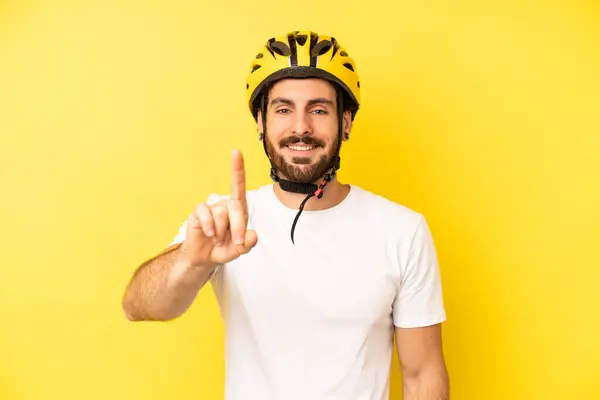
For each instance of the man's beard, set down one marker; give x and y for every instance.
(299, 170)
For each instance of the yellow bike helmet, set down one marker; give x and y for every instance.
(302, 54)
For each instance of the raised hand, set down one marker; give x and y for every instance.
(217, 234)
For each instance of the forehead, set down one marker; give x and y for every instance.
(302, 89)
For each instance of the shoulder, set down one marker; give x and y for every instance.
(387, 213)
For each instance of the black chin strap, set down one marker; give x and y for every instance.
(296, 187)
(318, 193)
(310, 189)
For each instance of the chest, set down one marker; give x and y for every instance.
(327, 279)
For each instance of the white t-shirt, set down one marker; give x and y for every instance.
(315, 320)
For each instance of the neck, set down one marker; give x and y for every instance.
(333, 194)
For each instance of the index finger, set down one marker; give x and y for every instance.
(238, 178)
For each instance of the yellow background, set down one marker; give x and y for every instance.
(117, 117)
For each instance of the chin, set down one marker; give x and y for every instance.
(303, 166)
(302, 162)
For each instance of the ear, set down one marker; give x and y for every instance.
(347, 124)
(259, 122)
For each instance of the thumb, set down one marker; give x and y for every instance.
(250, 241)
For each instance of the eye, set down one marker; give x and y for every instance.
(320, 112)
(283, 111)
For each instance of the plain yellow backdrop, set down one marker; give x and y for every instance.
(117, 117)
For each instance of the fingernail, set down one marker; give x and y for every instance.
(239, 241)
(210, 232)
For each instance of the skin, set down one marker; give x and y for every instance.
(424, 372)
(164, 287)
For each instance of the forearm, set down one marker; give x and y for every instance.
(429, 384)
(163, 288)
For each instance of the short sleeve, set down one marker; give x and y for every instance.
(180, 237)
(419, 301)
(216, 278)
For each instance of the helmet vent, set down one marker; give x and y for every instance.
(301, 39)
(255, 67)
(349, 66)
(344, 54)
(321, 48)
(281, 48)
(259, 55)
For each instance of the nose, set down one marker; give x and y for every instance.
(301, 124)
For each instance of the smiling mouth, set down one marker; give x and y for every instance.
(301, 147)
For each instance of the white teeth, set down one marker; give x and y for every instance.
(301, 148)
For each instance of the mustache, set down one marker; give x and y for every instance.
(308, 140)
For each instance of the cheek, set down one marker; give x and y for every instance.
(326, 129)
(277, 128)
(328, 121)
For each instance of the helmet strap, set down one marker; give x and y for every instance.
(310, 189)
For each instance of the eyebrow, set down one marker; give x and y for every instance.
(311, 102)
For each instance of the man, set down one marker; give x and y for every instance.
(314, 277)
